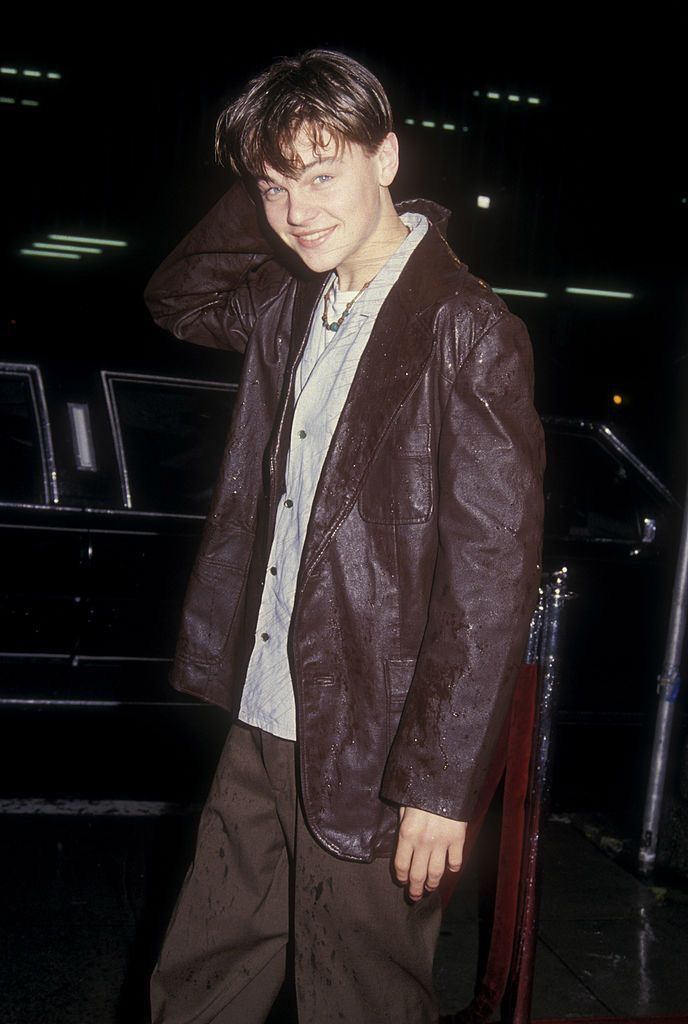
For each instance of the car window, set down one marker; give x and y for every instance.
(22, 458)
(589, 493)
(170, 435)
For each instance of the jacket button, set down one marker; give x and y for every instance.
(273, 570)
(264, 637)
(302, 433)
(288, 503)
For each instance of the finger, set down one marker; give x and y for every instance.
(418, 874)
(436, 866)
(402, 861)
(455, 856)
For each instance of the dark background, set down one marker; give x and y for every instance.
(588, 187)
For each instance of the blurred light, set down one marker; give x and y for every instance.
(65, 248)
(600, 293)
(448, 127)
(7, 99)
(484, 202)
(29, 103)
(428, 124)
(493, 95)
(82, 437)
(32, 74)
(54, 255)
(684, 199)
(54, 75)
(9, 71)
(81, 238)
(410, 120)
(617, 399)
(534, 100)
(476, 92)
(465, 128)
(520, 291)
(514, 98)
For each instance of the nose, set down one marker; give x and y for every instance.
(300, 210)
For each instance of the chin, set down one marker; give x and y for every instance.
(318, 264)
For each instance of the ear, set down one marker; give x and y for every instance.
(388, 159)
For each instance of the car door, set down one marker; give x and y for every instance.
(42, 543)
(169, 434)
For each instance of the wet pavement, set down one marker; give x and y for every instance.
(85, 900)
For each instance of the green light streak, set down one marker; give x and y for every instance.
(53, 255)
(66, 248)
(521, 291)
(82, 238)
(600, 293)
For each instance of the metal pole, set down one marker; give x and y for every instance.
(516, 1006)
(668, 686)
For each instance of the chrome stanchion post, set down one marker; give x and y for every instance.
(668, 687)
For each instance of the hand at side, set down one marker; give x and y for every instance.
(427, 844)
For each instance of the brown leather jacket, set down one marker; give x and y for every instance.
(420, 567)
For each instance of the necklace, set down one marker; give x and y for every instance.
(336, 324)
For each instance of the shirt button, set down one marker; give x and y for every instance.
(273, 570)
(264, 637)
(288, 503)
(302, 433)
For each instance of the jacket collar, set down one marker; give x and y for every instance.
(436, 214)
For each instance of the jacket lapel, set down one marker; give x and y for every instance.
(394, 358)
(307, 295)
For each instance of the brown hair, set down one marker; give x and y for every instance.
(327, 94)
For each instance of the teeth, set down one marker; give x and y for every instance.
(316, 236)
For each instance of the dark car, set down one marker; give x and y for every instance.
(615, 526)
(106, 479)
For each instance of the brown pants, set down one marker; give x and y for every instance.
(363, 953)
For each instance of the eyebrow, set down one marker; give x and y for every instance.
(320, 161)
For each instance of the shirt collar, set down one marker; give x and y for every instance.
(369, 302)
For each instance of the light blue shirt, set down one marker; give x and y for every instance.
(323, 379)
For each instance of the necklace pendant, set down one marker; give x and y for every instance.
(333, 327)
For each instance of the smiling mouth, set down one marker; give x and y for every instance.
(312, 239)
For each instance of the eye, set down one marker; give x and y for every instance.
(322, 179)
(271, 192)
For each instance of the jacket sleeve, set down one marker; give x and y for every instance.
(211, 287)
(490, 464)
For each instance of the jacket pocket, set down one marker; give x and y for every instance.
(210, 607)
(398, 676)
(398, 486)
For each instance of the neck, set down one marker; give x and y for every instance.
(353, 274)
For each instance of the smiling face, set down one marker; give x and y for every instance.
(336, 211)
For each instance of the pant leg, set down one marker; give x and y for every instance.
(224, 955)
(363, 952)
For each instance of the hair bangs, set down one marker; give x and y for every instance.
(323, 94)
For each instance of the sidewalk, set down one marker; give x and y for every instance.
(86, 900)
(608, 944)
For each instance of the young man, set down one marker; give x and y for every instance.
(363, 589)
